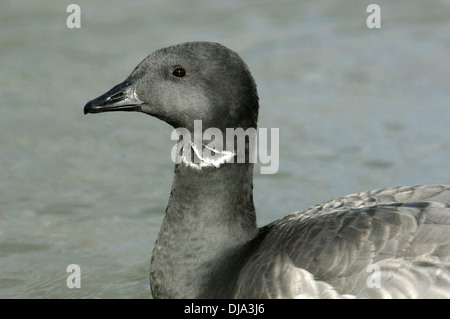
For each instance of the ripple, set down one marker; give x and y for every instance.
(10, 282)
(378, 164)
(19, 248)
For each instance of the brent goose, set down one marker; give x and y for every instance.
(385, 243)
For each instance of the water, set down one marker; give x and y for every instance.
(357, 109)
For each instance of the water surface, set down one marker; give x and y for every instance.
(357, 109)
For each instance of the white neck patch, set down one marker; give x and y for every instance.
(205, 157)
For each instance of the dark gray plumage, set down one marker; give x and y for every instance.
(389, 243)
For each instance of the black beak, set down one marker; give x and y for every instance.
(122, 97)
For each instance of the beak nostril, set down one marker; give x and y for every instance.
(116, 96)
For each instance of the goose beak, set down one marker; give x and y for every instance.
(122, 97)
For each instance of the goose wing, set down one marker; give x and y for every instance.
(387, 243)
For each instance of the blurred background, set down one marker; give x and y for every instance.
(356, 108)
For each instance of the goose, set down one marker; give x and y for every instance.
(385, 243)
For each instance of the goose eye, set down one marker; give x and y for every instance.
(179, 72)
